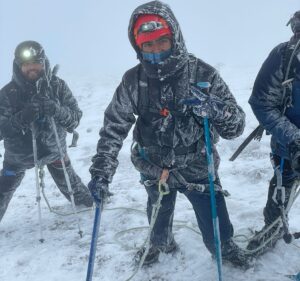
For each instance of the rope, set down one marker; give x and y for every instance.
(154, 215)
(239, 237)
(75, 212)
(296, 245)
(118, 235)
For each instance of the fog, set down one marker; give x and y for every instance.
(90, 37)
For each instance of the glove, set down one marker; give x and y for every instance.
(49, 107)
(205, 105)
(99, 190)
(294, 152)
(30, 113)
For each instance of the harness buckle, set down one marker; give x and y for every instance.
(148, 183)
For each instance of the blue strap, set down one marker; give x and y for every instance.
(8, 173)
(143, 153)
(281, 165)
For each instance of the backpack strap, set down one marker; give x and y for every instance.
(193, 70)
(143, 98)
(288, 66)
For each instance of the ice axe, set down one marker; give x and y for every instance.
(93, 248)
(211, 178)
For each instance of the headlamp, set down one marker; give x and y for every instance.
(28, 53)
(150, 26)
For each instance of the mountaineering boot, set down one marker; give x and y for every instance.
(234, 255)
(173, 247)
(265, 239)
(152, 256)
(154, 252)
(83, 197)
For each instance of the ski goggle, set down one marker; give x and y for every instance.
(150, 26)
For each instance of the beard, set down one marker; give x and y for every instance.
(33, 74)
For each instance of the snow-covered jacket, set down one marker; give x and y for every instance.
(277, 113)
(18, 138)
(167, 132)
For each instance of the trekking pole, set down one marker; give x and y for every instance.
(211, 178)
(67, 178)
(66, 175)
(38, 193)
(94, 240)
(43, 186)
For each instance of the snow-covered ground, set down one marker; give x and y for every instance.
(64, 255)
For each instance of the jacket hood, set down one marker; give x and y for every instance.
(179, 56)
(23, 83)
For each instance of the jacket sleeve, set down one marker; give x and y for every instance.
(233, 124)
(10, 124)
(118, 119)
(69, 113)
(267, 99)
(144, 166)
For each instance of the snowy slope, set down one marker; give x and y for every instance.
(64, 254)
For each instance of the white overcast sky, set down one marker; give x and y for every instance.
(90, 36)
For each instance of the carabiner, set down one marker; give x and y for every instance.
(163, 187)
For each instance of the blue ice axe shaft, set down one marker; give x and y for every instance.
(211, 178)
(93, 248)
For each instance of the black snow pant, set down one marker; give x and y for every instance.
(162, 235)
(272, 210)
(11, 177)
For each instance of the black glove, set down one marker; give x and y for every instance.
(30, 113)
(49, 107)
(294, 152)
(99, 190)
(205, 105)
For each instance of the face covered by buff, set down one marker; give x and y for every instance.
(156, 37)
